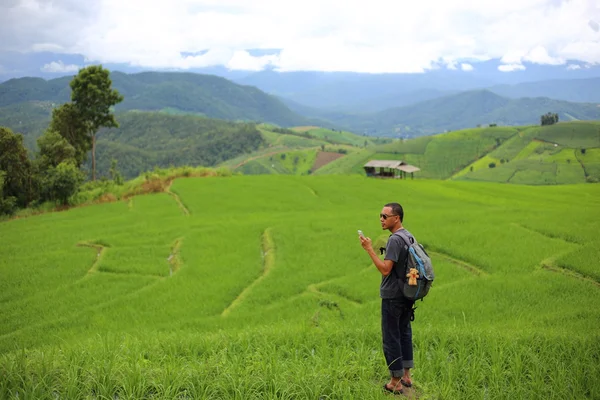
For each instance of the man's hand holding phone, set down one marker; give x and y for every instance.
(365, 242)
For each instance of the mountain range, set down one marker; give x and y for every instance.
(456, 111)
(380, 105)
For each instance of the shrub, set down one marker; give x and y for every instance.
(61, 182)
(492, 165)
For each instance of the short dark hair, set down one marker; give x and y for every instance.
(396, 209)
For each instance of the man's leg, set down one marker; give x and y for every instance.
(391, 311)
(406, 344)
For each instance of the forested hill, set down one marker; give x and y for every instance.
(208, 95)
(148, 139)
(463, 110)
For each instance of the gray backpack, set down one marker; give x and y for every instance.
(418, 259)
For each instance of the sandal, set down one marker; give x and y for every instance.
(393, 391)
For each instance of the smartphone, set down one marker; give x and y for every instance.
(360, 233)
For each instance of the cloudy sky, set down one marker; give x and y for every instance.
(323, 35)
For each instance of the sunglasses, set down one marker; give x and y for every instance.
(385, 216)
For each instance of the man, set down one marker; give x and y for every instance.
(396, 310)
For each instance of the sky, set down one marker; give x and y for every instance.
(373, 36)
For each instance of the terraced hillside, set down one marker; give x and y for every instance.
(256, 287)
(298, 151)
(563, 153)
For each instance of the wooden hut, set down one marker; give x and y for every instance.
(389, 169)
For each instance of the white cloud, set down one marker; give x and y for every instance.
(573, 66)
(243, 60)
(539, 55)
(466, 67)
(59, 66)
(511, 67)
(351, 35)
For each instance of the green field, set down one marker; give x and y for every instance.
(256, 287)
(336, 136)
(565, 153)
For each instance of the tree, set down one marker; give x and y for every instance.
(549, 119)
(7, 204)
(54, 149)
(61, 182)
(67, 122)
(92, 97)
(14, 162)
(115, 175)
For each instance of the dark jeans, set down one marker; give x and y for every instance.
(397, 335)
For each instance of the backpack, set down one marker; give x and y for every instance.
(419, 259)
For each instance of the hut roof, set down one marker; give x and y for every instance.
(384, 163)
(408, 168)
(392, 164)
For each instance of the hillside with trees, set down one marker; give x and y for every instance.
(207, 95)
(25, 105)
(457, 111)
(145, 140)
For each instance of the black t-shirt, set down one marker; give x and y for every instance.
(397, 251)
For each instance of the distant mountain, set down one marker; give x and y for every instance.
(208, 95)
(26, 103)
(464, 110)
(368, 106)
(348, 92)
(49, 65)
(577, 90)
(20, 90)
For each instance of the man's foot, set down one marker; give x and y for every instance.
(394, 387)
(407, 382)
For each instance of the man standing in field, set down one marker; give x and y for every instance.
(396, 310)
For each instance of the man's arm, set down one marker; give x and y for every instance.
(384, 266)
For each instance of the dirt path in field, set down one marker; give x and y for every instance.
(314, 289)
(174, 260)
(100, 249)
(268, 253)
(548, 264)
(571, 273)
(463, 264)
(176, 197)
(545, 234)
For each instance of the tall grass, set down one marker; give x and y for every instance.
(273, 297)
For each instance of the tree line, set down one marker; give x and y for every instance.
(54, 174)
(549, 119)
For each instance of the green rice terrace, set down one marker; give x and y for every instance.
(563, 153)
(256, 287)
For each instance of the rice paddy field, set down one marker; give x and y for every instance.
(564, 153)
(256, 287)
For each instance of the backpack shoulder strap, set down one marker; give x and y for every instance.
(407, 239)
